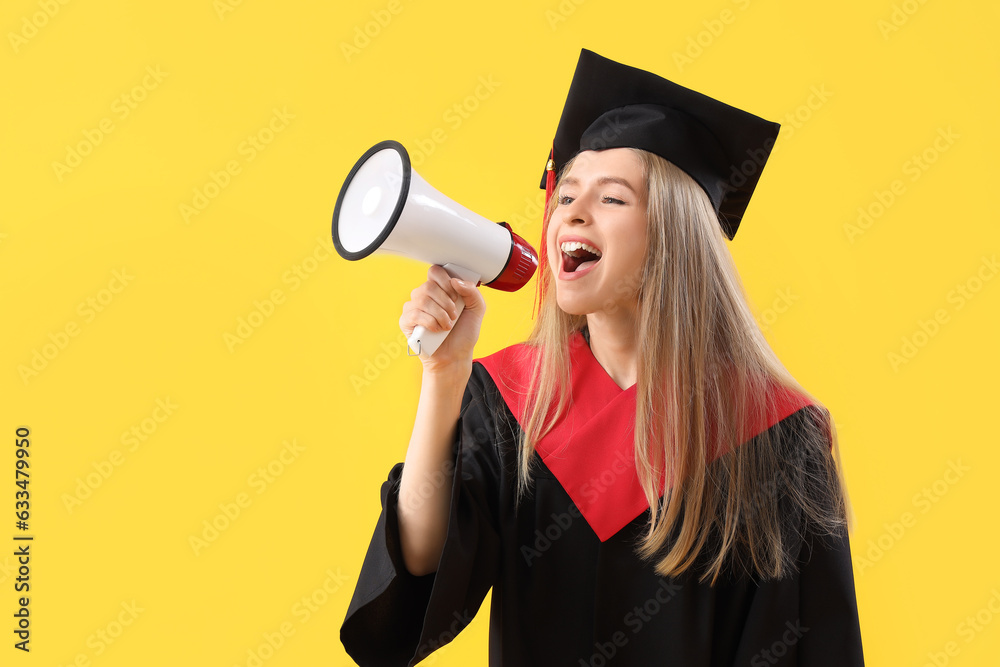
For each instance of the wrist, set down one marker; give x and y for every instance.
(449, 378)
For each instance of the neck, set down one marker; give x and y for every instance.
(614, 344)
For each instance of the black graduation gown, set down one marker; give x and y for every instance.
(562, 595)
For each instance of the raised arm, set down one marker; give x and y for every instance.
(425, 485)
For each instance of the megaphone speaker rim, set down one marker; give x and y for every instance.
(397, 210)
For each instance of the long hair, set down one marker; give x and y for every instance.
(704, 369)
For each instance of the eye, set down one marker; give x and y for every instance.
(608, 199)
(564, 199)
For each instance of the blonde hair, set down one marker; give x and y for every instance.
(704, 368)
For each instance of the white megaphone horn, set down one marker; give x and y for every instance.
(385, 206)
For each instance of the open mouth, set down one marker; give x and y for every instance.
(577, 255)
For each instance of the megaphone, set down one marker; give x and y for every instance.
(385, 206)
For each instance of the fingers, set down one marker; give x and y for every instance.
(433, 305)
(425, 313)
(438, 275)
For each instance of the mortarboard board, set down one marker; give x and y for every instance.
(611, 105)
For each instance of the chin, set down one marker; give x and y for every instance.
(572, 305)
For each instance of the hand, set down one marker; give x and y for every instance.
(433, 305)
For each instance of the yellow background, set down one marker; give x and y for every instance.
(885, 80)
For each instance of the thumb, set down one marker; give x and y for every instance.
(470, 295)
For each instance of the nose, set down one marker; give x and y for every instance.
(576, 212)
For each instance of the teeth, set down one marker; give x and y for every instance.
(569, 247)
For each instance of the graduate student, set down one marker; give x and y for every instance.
(641, 482)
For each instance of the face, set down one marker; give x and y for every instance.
(596, 236)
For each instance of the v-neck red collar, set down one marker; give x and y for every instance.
(590, 450)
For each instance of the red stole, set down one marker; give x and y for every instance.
(590, 450)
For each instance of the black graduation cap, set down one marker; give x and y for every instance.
(611, 105)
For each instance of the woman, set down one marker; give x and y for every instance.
(642, 482)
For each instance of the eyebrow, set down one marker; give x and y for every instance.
(603, 180)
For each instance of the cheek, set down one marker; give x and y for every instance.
(639, 250)
(634, 257)
(640, 236)
(552, 258)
